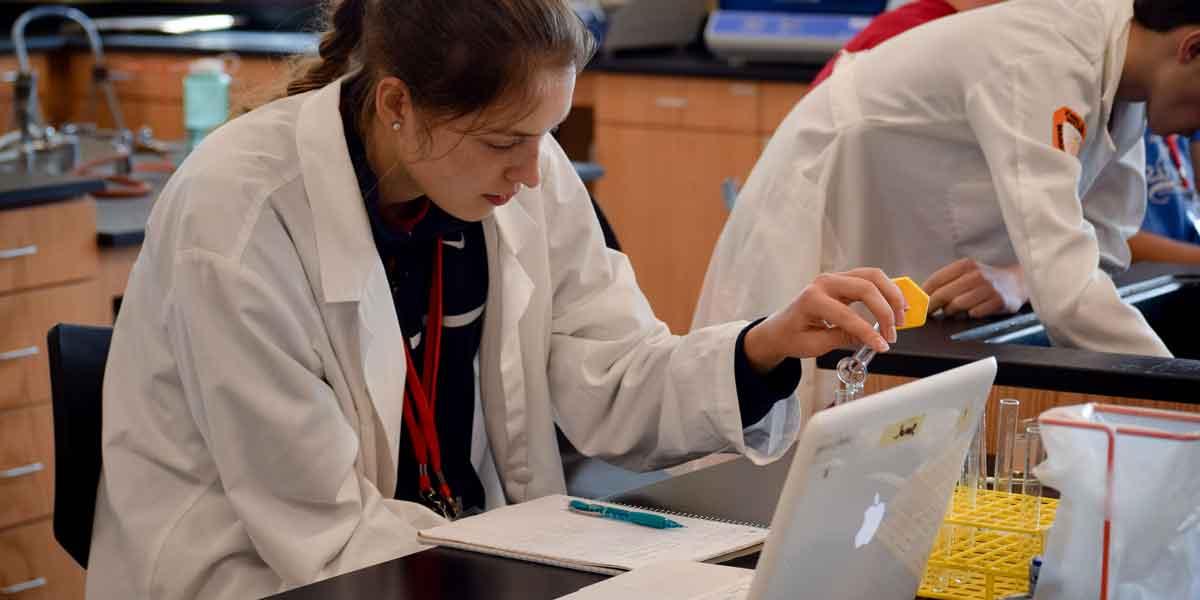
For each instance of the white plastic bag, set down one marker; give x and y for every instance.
(1149, 490)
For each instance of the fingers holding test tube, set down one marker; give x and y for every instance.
(820, 318)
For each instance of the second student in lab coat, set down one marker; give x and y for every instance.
(376, 298)
(1010, 134)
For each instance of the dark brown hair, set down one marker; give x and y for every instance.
(457, 57)
(1165, 15)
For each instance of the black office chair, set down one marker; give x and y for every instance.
(77, 357)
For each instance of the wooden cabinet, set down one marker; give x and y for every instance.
(667, 144)
(662, 196)
(48, 274)
(47, 244)
(34, 567)
(149, 88)
(775, 102)
(1033, 401)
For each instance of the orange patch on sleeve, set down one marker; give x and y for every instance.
(1070, 131)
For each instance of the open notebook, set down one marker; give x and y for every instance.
(544, 531)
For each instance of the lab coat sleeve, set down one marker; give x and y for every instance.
(284, 452)
(1012, 115)
(625, 389)
(1115, 205)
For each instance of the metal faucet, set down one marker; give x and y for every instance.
(33, 134)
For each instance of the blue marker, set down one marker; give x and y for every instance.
(637, 518)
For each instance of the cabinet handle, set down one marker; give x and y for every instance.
(674, 102)
(29, 250)
(29, 469)
(743, 89)
(18, 353)
(24, 586)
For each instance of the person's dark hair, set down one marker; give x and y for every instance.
(457, 57)
(1165, 15)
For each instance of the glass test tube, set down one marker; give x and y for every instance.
(1035, 453)
(852, 373)
(971, 475)
(981, 442)
(1006, 433)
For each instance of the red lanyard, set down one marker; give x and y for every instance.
(1173, 148)
(421, 399)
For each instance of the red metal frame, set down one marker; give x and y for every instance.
(1111, 431)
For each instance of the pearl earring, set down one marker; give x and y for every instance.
(395, 125)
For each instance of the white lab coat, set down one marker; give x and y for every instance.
(937, 145)
(252, 403)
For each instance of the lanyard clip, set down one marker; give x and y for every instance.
(434, 501)
(444, 504)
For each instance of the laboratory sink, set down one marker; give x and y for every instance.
(1168, 302)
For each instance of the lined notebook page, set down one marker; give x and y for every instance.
(544, 530)
(672, 581)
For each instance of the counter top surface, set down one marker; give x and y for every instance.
(20, 190)
(930, 349)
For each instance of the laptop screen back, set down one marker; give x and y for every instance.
(868, 489)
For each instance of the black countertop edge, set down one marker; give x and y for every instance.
(244, 42)
(929, 350)
(699, 63)
(694, 61)
(20, 192)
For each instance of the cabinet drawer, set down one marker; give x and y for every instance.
(26, 458)
(710, 104)
(776, 102)
(34, 567)
(133, 74)
(25, 319)
(46, 244)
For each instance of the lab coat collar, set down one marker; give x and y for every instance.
(502, 377)
(345, 247)
(1120, 19)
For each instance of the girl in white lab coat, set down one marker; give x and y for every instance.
(364, 307)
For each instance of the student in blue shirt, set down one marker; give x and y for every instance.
(1169, 233)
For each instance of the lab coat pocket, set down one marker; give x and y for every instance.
(975, 224)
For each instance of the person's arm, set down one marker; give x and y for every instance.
(628, 391)
(1152, 247)
(1012, 114)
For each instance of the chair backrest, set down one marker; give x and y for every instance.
(77, 355)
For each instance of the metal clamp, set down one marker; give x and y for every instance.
(29, 250)
(24, 586)
(22, 471)
(19, 353)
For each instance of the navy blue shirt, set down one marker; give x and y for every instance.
(1170, 189)
(408, 258)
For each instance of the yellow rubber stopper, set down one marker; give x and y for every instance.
(918, 303)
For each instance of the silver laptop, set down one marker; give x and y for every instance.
(863, 500)
(868, 488)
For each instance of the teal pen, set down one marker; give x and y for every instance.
(637, 518)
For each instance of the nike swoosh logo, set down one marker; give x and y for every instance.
(458, 244)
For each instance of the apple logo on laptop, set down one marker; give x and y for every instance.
(872, 517)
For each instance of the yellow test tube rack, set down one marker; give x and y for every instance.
(985, 545)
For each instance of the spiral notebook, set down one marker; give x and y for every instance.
(544, 531)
